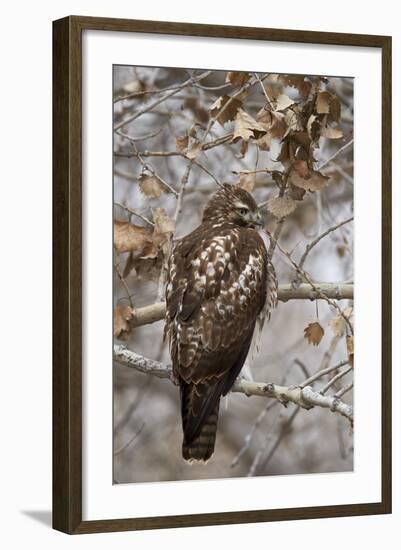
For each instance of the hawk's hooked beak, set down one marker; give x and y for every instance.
(255, 219)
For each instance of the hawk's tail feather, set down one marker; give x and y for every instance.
(200, 410)
(202, 446)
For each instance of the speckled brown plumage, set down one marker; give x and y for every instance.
(219, 283)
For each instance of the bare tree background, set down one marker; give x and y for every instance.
(178, 135)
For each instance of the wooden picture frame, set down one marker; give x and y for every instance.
(67, 274)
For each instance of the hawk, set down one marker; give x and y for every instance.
(220, 282)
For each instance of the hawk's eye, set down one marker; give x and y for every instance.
(243, 211)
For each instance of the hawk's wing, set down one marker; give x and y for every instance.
(217, 282)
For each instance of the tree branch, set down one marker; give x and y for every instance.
(305, 397)
(155, 312)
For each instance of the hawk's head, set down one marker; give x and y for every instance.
(233, 204)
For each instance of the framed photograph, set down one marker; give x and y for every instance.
(222, 263)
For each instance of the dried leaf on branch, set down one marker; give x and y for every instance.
(350, 350)
(281, 206)
(247, 180)
(181, 143)
(307, 179)
(313, 333)
(283, 102)
(247, 127)
(339, 324)
(146, 246)
(151, 186)
(237, 78)
(297, 81)
(194, 150)
(273, 122)
(135, 239)
(328, 104)
(122, 317)
(332, 133)
(228, 110)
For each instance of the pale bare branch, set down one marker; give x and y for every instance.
(155, 312)
(305, 397)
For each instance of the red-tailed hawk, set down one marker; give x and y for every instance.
(219, 282)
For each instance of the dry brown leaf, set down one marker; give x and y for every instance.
(313, 126)
(230, 111)
(247, 180)
(247, 127)
(328, 104)
(194, 150)
(315, 181)
(338, 324)
(302, 138)
(301, 168)
(277, 177)
(284, 154)
(296, 193)
(323, 103)
(332, 133)
(237, 78)
(181, 143)
(303, 86)
(283, 102)
(335, 108)
(147, 247)
(313, 333)
(122, 318)
(147, 259)
(151, 186)
(281, 206)
(163, 223)
(292, 120)
(133, 238)
(274, 122)
(243, 149)
(350, 350)
(264, 143)
(349, 314)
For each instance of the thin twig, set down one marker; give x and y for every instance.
(133, 438)
(149, 107)
(134, 213)
(264, 90)
(344, 390)
(335, 379)
(306, 277)
(123, 282)
(322, 372)
(336, 154)
(250, 434)
(285, 427)
(320, 237)
(150, 168)
(142, 138)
